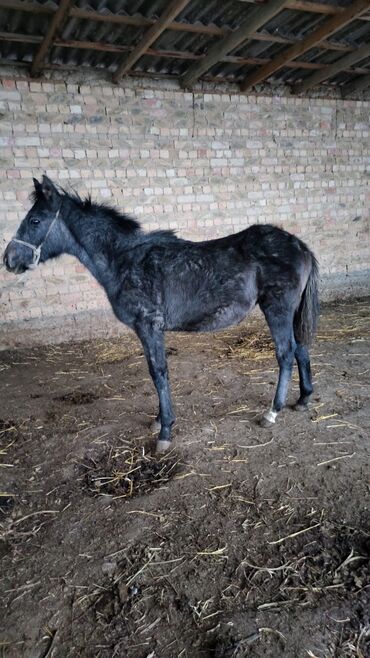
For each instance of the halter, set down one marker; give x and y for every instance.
(36, 251)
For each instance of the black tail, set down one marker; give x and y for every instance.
(305, 320)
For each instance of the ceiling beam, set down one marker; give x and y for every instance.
(331, 25)
(321, 8)
(154, 52)
(329, 71)
(277, 38)
(143, 74)
(312, 7)
(32, 7)
(178, 26)
(175, 7)
(91, 14)
(134, 74)
(360, 84)
(256, 19)
(55, 25)
(316, 7)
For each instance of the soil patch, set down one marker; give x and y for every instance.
(78, 397)
(241, 542)
(128, 472)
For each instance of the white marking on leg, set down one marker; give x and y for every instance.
(162, 446)
(271, 415)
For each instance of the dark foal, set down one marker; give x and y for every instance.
(157, 282)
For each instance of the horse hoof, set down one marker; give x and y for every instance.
(265, 422)
(268, 418)
(155, 426)
(300, 407)
(162, 446)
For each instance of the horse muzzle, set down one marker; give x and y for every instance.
(14, 260)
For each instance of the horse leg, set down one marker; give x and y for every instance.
(280, 322)
(153, 343)
(305, 381)
(155, 425)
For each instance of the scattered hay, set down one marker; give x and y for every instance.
(128, 473)
(9, 432)
(114, 351)
(8, 427)
(255, 347)
(345, 326)
(336, 558)
(17, 529)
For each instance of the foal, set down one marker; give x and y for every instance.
(157, 282)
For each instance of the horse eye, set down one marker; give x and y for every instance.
(34, 220)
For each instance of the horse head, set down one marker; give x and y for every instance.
(35, 241)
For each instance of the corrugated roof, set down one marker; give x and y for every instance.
(86, 40)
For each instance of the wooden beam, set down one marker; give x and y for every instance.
(142, 74)
(316, 7)
(311, 7)
(91, 14)
(134, 74)
(31, 7)
(178, 26)
(257, 18)
(358, 85)
(20, 38)
(321, 8)
(329, 71)
(153, 52)
(175, 7)
(56, 23)
(139, 20)
(329, 26)
(115, 19)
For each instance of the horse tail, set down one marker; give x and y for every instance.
(306, 316)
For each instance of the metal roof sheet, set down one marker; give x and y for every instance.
(176, 49)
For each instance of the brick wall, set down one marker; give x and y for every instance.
(205, 165)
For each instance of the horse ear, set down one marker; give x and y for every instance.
(49, 191)
(37, 185)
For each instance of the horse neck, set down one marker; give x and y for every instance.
(92, 242)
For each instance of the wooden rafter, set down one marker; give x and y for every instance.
(360, 84)
(55, 25)
(154, 52)
(178, 26)
(167, 76)
(257, 18)
(133, 73)
(223, 32)
(91, 14)
(328, 28)
(329, 71)
(318, 8)
(175, 7)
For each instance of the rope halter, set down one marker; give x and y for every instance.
(36, 251)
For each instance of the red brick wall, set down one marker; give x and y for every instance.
(205, 165)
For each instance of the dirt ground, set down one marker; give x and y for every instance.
(241, 541)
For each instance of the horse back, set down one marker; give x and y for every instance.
(209, 285)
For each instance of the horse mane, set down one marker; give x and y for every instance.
(121, 221)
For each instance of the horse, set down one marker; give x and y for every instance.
(158, 282)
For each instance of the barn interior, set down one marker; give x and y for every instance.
(202, 118)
